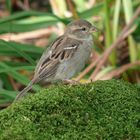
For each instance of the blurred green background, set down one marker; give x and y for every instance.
(28, 26)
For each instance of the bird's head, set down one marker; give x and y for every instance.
(81, 29)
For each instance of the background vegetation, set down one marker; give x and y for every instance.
(27, 26)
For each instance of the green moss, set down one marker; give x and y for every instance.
(102, 110)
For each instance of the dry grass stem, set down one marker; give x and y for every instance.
(28, 35)
(120, 38)
(119, 71)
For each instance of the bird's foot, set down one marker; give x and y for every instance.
(70, 82)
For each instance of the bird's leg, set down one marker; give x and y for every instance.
(71, 82)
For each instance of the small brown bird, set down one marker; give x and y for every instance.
(66, 56)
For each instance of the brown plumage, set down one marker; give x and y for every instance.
(66, 56)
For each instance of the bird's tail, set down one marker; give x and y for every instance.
(25, 90)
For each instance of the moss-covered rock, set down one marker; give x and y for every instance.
(102, 110)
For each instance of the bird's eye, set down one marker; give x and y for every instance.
(83, 29)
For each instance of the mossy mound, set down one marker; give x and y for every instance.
(102, 110)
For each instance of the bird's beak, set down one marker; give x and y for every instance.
(94, 29)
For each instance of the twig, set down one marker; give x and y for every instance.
(109, 50)
(27, 5)
(130, 31)
(82, 74)
(72, 9)
(23, 6)
(119, 71)
(121, 37)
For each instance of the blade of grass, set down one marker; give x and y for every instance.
(128, 11)
(8, 93)
(7, 96)
(25, 14)
(92, 11)
(108, 33)
(15, 64)
(5, 81)
(101, 60)
(9, 5)
(116, 19)
(58, 7)
(21, 53)
(27, 21)
(17, 76)
(30, 50)
(103, 72)
(29, 68)
(16, 27)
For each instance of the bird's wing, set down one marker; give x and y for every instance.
(61, 50)
(64, 50)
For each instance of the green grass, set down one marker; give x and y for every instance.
(101, 110)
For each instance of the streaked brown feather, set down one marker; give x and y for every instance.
(56, 54)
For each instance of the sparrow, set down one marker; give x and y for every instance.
(66, 56)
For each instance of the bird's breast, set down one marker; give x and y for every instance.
(74, 65)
